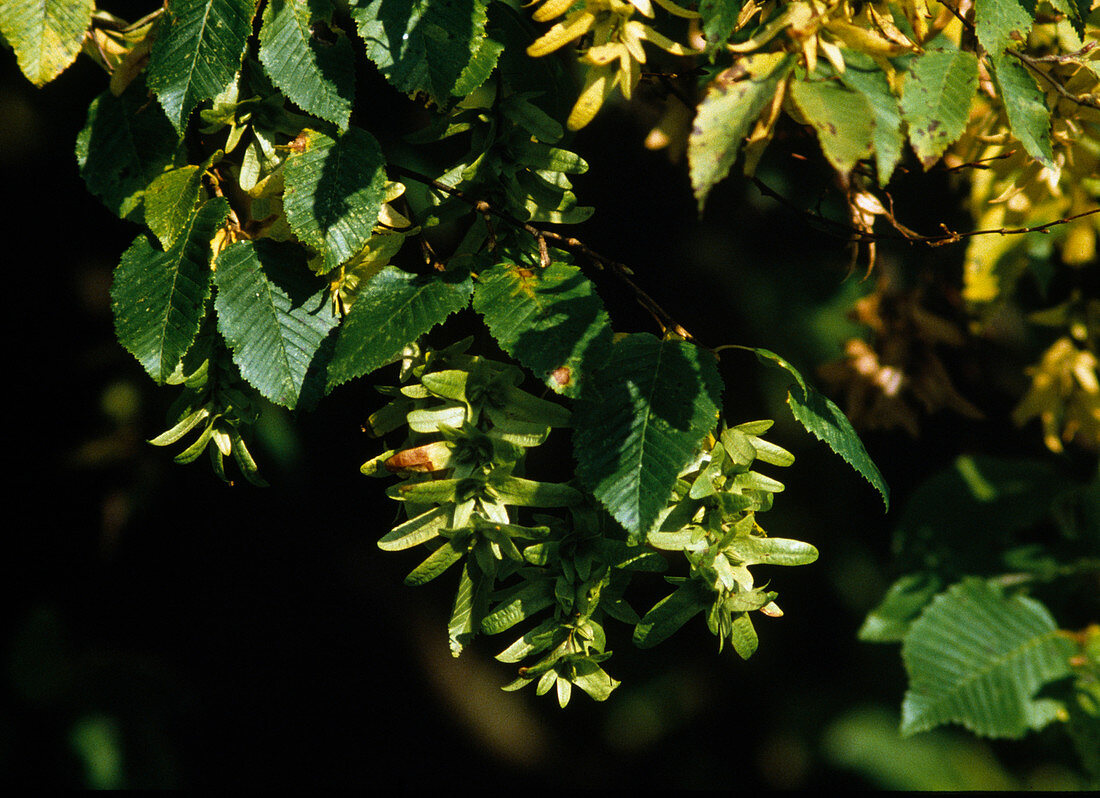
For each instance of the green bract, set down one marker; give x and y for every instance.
(469, 430)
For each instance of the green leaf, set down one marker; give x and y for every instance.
(996, 20)
(1075, 11)
(842, 119)
(551, 320)
(417, 530)
(864, 76)
(978, 657)
(275, 315)
(46, 34)
(527, 600)
(935, 102)
(640, 420)
(903, 602)
(480, 66)
(392, 310)
(1028, 115)
(591, 678)
(170, 200)
(865, 739)
(316, 72)
(435, 47)
(820, 416)
(467, 608)
(753, 550)
(158, 298)
(734, 100)
(335, 189)
(125, 144)
(534, 640)
(532, 493)
(719, 20)
(197, 53)
(435, 564)
(535, 155)
(672, 612)
(743, 636)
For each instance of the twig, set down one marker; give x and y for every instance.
(1030, 61)
(1068, 58)
(948, 236)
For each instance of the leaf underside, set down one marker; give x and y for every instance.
(977, 657)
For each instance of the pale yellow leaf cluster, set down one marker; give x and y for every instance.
(823, 28)
(46, 35)
(615, 55)
(1010, 190)
(1064, 396)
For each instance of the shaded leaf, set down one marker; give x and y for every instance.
(394, 308)
(719, 18)
(125, 144)
(734, 100)
(820, 416)
(903, 602)
(335, 189)
(864, 76)
(640, 420)
(158, 298)
(964, 515)
(551, 320)
(436, 563)
(1075, 11)
(434, 47)
(672, 612)
(316, 73)
(274, 315)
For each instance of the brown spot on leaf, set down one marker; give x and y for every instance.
(300, 143)
(562, 375)
(425, 459)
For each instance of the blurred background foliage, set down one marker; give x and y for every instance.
(169, 631)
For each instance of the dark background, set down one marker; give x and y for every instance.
(167, 630)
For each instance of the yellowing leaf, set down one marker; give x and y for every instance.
(45, 34)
